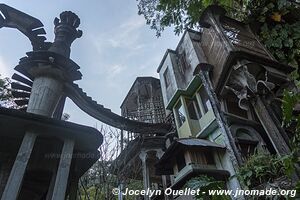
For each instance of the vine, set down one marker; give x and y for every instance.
(277, 24)
(261, 168)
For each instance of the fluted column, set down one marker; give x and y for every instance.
(45, 95)
(145, 169)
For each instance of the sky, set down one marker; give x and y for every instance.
(116, 47)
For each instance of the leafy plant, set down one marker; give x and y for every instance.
(6, 99)
(4, 89)
(261, 168)
(279, 28)
(205, 183)
(292, 121)
(180, 14)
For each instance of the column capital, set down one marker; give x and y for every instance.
(159, 153)
(245, 85)
(143, 155)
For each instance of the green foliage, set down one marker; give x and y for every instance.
(181, 14)
(262, 168)
(4, 89)
(289, 101)
(6, 99)
(134, 185)
(280, 32)
(274, 21)
(279, 28)
(97, 183)
(205, 183)
(292, 121)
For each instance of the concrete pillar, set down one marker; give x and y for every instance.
(270, 127)
(61, 180)
(120, 187)
(159, 153)
(15, 179)
(45, 95)
(145, 169)
(122, 139)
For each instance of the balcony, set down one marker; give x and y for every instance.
(194, 169)
(190, 157)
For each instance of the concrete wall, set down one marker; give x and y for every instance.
(168, 91)
(189, 46)
(223, 160)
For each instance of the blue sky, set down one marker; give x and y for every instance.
(116, 47)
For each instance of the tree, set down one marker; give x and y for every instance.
(6, 99)
(278, 27)
(181, 14)
(98, 181)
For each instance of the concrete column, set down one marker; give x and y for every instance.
(270, 127)
(45, 95)
(122, 139)
(159, 153)
(120, 187)
(15, 179)
(61, 180)
(146, 178)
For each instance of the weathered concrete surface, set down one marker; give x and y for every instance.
(14, 181)
(45, 95)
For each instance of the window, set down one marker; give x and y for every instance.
(180, 114)
(167, 77)
(247, 148)
(233, 108)
(183, 65)
(203, 157)
(246, 143)
(193, 109)
(205, 101)
(209, 158)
